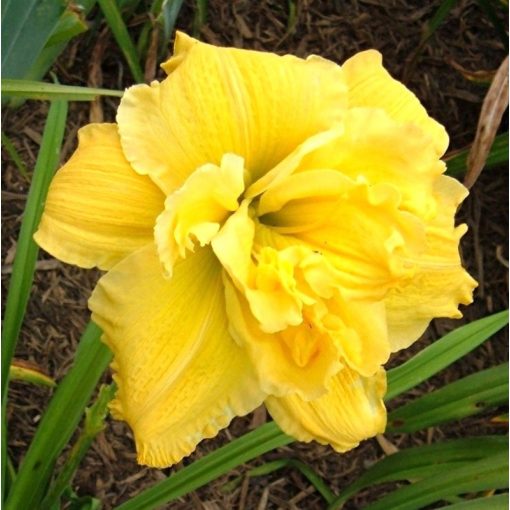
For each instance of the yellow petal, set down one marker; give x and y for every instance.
(296, 360)
(440, 283)
(372, 86)
(371, 148)
(360, 230)
(351, 411)
(98, 209)
(361, 344)
(225, 100)
(196, 210)
(181, 376)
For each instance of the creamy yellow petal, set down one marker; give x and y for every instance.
(181, 376)
(265, 277)
(351, 411)
(196, 210)
(98, 209)
(370, 85)
(225, 100)
(297, 360)
(360, 230)
(372, 148)
(440, 283)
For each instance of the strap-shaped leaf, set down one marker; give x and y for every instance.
(442, 353)
(26, 252)
(42, 90)
(26, 27)
(423, 462)
(499, 502)
(487, 473)
(498, 155)
(237, 452)
(60, 420)
(467, 396)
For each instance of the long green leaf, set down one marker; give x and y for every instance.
(488, 473)
(42, 90)
(26, 251)
(13, 154)
(464, 397)
(208, 468)
(26, 26)
(423, 462)
(498, 155)
(95, 416)
(443, 353)
(499, 502)
(58, 423)
(116, 23)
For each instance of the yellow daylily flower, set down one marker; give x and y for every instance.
(273, 229)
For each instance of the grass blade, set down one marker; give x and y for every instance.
(488, 473)
(26, 27)
(499, 502)
(442, 353)
(95, 416)
(467, 396)
(423, 462)
(116, 23)
(498, 155)
(13, 153)
(42, 90)
(26, 252)
(210, 467)
(169, 12)
(58, 423)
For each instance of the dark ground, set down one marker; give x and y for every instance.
(57, 310)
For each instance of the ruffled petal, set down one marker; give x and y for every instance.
(440, 283)
(351, 411)
(180, 375)
(359, 229)
(226, 100)
(299, 359)
(370, 85)
(98, 209)
(196, 210)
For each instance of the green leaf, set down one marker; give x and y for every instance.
(120, 32)
(60, 420)
(19, 372)
(94, 423)
(498, 155)
(462, 398)
(13, 153)
(42, 90)
(169, 12)
(51, 52)
(200, 17)
(443, 353)
(499, 502)
(26, 27)
(304, 469)
(488, 473)
(208, 468)
(70, 24)
(26, 250)
(423, 462)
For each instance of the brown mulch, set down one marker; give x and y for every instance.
(57, 310)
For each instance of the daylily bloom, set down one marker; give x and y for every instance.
(273, 229)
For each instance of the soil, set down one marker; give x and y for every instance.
(57, 309)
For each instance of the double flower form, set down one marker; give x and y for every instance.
(273, 229)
